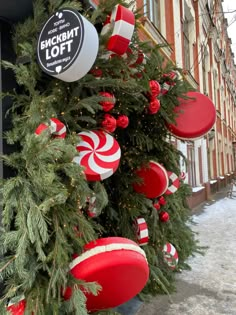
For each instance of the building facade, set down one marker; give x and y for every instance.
(196, 31)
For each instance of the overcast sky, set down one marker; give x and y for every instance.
(230, 5)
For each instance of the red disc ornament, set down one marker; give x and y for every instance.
(141, 230)
(170, 255)
(195, 117)
(17, 306)
(155, 180)
(56, 128)
(174, 183)
(118, 264)
(99, 154)
(121, 22)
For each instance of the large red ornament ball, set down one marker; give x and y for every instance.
(170, 255)
(195, 117)
(154, 106)
(155, 180)
(118, 264)
(155, 89)
(164, 216)
(122, 121)
(109, 103)
(99, 154)
(109, 123)
(17, 306)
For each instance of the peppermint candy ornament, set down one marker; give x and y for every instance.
(174, 183)
(56, 128)
(170, 255)
(17, 305)
(141, 230)
(99, 154)
(121, 22)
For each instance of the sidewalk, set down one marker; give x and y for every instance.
(184, 290)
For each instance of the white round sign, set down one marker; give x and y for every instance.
(67, 45)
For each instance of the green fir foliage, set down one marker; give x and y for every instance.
(44, 218)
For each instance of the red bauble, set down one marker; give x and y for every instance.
(17, 306)
(96, 72)
(122, 121)
(164, 216)
(67, 293)
(154, 106)
(109, 104)
(155, 89)
(109, 123)
(157, 206)
(162, 201)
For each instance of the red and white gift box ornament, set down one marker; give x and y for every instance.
(121, 22)
(118, 264)
(17, 305)
(56, 128)
(99, 154)
(170, 255)
(174, 183)
(141, 230)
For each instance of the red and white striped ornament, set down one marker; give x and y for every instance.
(168, 84)
(170, 255)
(174, 183)
(55, 127)
(17, 305)
(99, 154)
(121, 22)
(91, 209)
(141, 230)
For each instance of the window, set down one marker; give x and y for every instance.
(152, 11)
(191, 165)
(186, 40)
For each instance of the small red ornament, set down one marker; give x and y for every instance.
(17, 306)
(162, 201)
(109, 104)
(122, 121)
(67, 293)
(154, 106)
(164, 216)
(155, 89)
(157, 206)
(96, 72)
(109, 123)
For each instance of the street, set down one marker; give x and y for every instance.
(210, 287)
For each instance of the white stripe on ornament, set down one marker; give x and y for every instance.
(108, 144)
(123, 29)
(109, 158)
(96, 168)
(104, 249)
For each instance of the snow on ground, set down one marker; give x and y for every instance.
(215, 272)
